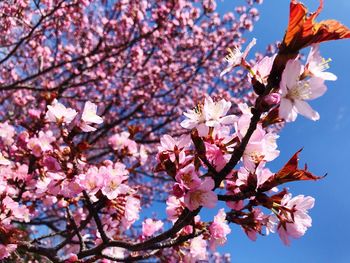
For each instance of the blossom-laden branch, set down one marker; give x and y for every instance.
(81, 164)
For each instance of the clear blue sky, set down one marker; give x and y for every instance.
(326, 150)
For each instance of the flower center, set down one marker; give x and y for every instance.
(301, 91)
(197, 197)
(187, 178)
(233, 56)
(323, 65)
(256, 156)
(113, 185)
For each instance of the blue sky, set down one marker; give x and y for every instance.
(326, 150)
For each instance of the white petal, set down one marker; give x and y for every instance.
(168, 142)
(327, 76)
(291, 74)
(228, 119)
(188, 124)
(225, 71)
(286, 110)
(86, 128)
(317, 87)
(305, 109)
(249, 47)
(225, 106)
(314, 54)
(212, 123)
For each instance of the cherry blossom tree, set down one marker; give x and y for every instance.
(109, 106)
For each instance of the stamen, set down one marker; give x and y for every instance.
(232, 54)
(300, 91)
(324, 64)
(198, 109)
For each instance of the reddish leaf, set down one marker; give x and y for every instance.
(289, 173)
(303, 30)
(268, 201)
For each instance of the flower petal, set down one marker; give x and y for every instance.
(305, 109)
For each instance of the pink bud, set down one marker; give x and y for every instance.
(267, 102)
(272, 99)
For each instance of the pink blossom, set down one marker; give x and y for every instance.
(19, 212)
(242, 124)
(89, 116)
(296, 220)
(260, 220)
(235, 57)
(175, 148)
(216, 156)
(198, 250)
(143, 154)
(57, 112)
(3, 160)
(215, 112)
(113, 180)
(41, 143)
(34, 113)
(150, 226)
(317, 65)
(271, 100)
(196, 118)
(121, 141)
(188, 177)
(132, 210)
(209, 5)
(178, 190)
(7, 132)
(201, 196)
(174, 207)
(262, 69)
(262, 175)
(219, 229)
(21, 173)
(91, 181)
(211, 114)
(261, 147)
(294, 92)
(70, 188)
(6, 250)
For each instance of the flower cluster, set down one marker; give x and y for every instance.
(301, 83)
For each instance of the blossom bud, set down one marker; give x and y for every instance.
(272, 99)
(268, 101)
